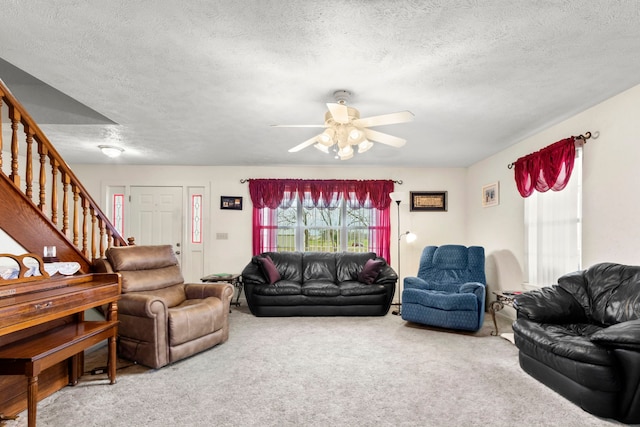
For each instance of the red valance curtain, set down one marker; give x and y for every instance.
(272, 193)
(547, 169)
(268, 193)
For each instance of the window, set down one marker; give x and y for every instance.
(341, 226)
(553, 230)
(118, 213)
(322, 216)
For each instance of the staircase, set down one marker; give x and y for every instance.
(53, 208)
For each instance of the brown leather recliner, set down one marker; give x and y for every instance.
(162, 319)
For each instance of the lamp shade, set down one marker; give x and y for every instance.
(326, 137)
(345, 153)
(364, 146)
(356, 136)
(321, 147)
(398, 196)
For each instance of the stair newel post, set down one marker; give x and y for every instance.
(14, 115)
(29, 172)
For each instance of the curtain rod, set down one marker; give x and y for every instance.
(583, 137)
(244, 180)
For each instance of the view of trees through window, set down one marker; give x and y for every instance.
(330, 229)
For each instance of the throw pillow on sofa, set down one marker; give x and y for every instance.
(370, 271)
(269, 269)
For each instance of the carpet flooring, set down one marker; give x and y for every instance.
(317, 371)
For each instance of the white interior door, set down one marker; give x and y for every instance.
(156, 216)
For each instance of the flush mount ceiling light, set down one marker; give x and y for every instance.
(344, 129)
(111, 150)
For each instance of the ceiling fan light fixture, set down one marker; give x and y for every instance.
(344, 129)
(111, 150)
(365, 145)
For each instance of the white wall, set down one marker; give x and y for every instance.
(611, 176)
(233, 254)
(10, 246)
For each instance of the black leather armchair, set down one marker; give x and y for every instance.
(581, 338)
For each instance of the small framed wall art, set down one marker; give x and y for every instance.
(429, 201)
(491, 194)
(231, 202)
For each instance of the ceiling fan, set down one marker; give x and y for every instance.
(344, 128)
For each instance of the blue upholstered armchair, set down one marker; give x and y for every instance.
(450, 289)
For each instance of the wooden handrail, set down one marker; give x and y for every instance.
(91, 232)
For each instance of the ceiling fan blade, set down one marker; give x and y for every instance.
(384, 138)
(339, 112)
(385, 119)
(298, 126)
(305, 144)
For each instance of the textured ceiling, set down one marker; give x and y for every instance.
(200, 82)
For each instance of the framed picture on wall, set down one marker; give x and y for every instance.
(491, 195)
(231, 202)
(429, 201)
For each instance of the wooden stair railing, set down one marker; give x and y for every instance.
(59, 197)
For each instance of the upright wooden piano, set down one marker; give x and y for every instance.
(43, 333)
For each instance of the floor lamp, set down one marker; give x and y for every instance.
(398, 197)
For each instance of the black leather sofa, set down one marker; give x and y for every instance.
(318, 284)
(581, 338)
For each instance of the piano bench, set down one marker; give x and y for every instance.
(34, 354)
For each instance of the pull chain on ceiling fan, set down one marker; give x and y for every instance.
(344, 128)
